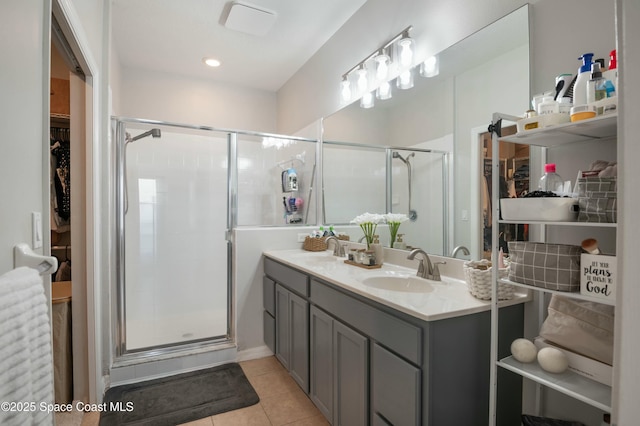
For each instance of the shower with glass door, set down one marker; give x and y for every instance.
(173, 254)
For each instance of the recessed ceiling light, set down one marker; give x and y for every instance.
(211, 62)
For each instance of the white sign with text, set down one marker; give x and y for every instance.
(598, 276)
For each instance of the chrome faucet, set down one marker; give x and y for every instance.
(465, 251)
(338, 250)
(430, 271)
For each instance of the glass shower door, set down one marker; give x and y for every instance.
(176, 274)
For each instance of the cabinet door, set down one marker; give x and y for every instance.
(282, 325)
(395, 388)
(299, 340)
(351, 358)
(321, 368)
(269, 330)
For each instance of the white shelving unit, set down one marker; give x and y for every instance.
(568, 383)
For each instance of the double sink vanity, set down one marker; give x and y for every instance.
(383, 346)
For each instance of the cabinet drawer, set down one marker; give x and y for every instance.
(395, 393)
(269, 329)
(269, 295)
(292, 279)
(394, 333)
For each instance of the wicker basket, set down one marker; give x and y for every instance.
(314, 244)
(478, 275)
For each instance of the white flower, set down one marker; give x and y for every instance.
(368, 218)
(395, 217)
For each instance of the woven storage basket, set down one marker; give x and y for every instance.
(314, 244)
(479, 280)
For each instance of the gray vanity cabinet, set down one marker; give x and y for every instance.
(339, 370)
(269, 313)
(292, 334)
(362, 362)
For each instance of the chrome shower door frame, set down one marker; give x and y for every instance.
(121, 355)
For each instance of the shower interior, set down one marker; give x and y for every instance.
(179, 196)
(412, 214)
(173, 284)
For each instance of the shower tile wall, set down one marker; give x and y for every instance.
(259, 180)
(176, 254)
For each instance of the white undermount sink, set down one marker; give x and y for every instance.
(401, 283)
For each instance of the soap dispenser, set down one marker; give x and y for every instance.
(377, 250)
(400, 244)
(584, 74)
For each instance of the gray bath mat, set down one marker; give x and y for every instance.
(179, 399)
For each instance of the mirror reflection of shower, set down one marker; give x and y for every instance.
(155, 133)
(291, 199)
(413, 215)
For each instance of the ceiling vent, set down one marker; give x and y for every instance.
(250, 19)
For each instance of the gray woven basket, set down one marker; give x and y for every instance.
(550, 266)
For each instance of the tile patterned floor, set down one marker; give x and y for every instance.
(282, 402)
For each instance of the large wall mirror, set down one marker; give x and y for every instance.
(429, 138)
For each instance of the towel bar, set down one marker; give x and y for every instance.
(24, 256)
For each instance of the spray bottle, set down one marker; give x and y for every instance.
(612, 73)
(584, 74)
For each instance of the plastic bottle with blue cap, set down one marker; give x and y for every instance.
(584, 75)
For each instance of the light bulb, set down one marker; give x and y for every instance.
(362, 80)
(367, 100)
(405, 80)
(345, 91)
(384, 91)
(430, 67)
(382, 67)
(406, 52)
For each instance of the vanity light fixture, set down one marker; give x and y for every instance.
(382, 70)
(212, 62)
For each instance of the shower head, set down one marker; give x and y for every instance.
(396, 154)
(155, 133)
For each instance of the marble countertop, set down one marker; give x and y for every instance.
(448, 298)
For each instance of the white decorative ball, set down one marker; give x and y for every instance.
(552, 360)
(524, 350)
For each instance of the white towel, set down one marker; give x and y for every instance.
(26, 362)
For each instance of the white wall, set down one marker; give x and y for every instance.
(166, 97)
(24, 47)
(249, 243)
